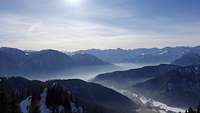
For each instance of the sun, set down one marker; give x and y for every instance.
(73, 2)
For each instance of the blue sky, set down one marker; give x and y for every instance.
(83, 24)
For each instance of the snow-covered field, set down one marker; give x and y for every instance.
(161, 107)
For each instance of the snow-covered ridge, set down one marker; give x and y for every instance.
(163, 52)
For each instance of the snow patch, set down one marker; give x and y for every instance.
(144, 100)
(134, 95)
(43, 107)
(123, 91)
(25, 104)
(161, 111)
(27, 54)
(167, 108)
(163, 52)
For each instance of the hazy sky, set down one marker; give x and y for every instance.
(82, 24)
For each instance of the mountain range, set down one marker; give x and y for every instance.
(142, 55)
(124, 79)
(179, 87)
(176, 84)
(15, 61)
(133, 76)
(188, 59)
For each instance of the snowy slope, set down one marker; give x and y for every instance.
(43, 107)
(26, 104)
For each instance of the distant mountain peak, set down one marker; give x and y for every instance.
(188, 59)
(140, 55)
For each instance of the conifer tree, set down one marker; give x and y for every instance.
(190, 110)
(4, 105)
(198, 108)
(34, 104)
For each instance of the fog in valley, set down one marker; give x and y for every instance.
(88, 72)
(99, 56)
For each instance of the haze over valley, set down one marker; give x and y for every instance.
(99, 56)
(135, 80)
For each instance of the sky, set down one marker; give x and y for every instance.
(103, 24)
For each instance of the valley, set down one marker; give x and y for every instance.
(143, 87)
(148, 105)
(99, 56)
